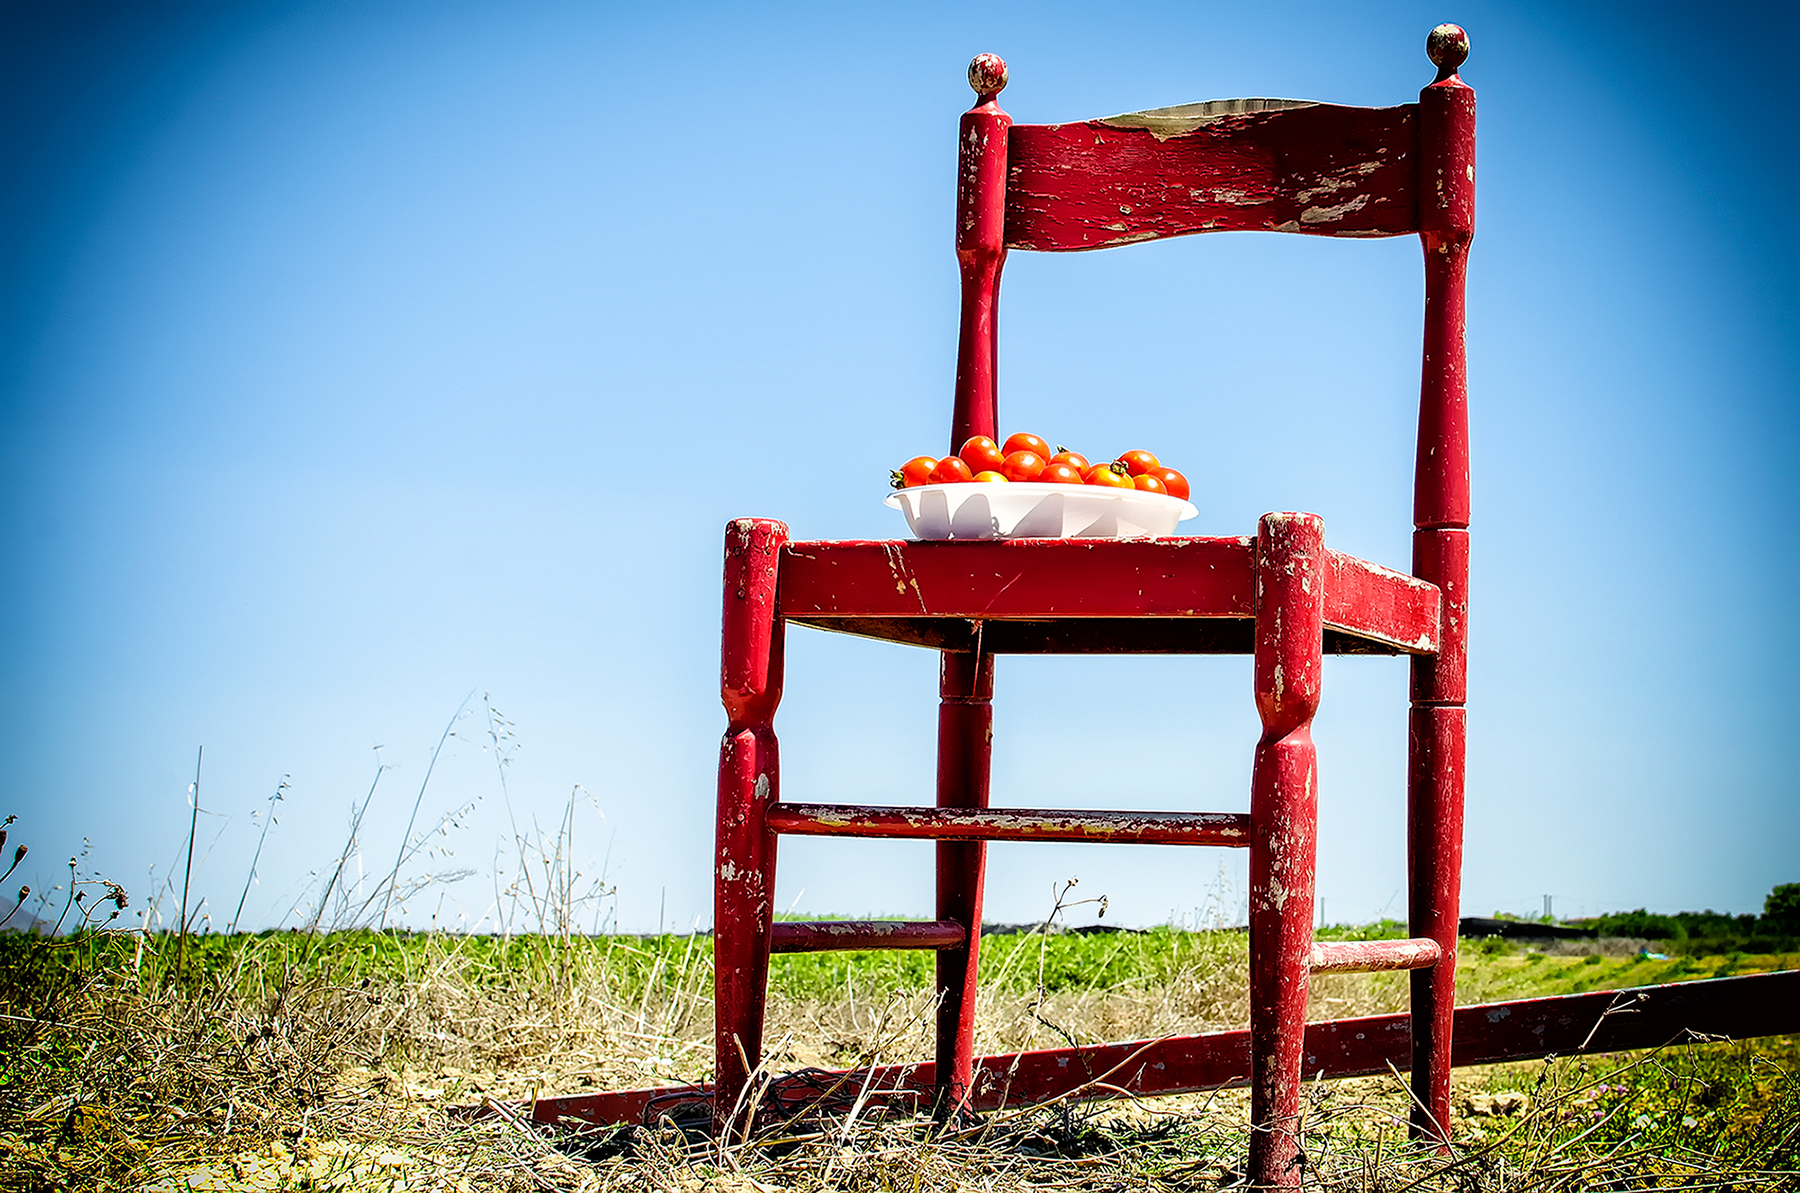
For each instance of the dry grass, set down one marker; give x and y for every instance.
(329, 1062)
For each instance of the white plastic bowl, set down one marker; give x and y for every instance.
(980, 510)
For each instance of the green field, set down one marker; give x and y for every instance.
(290, 1060)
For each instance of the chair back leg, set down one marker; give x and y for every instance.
(1291, 571)
(965, 752)
(1440, 555)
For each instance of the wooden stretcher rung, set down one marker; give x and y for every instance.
(1011, 824)
(1370, 956)
(824, 936)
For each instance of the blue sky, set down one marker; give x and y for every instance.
(357, 358)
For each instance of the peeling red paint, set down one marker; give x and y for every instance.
(1372, 956)
(1011, 824)
(833, 935)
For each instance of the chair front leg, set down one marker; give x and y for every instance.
(749, 781)
(1290, 606)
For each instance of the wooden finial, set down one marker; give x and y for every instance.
(1447, 47)
(987, 75)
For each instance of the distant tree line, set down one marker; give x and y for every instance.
(1777, 929)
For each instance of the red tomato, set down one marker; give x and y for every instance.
(1022, 465)
(1139, 462)
(1060, 474)
(990, 477)
(1019, 441)
(1173, 481)
(951, 470)
(982, 454)
(1074, 459)
(916, 471)
(1108, 476)
(1149, 484)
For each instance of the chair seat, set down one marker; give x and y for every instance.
(1087, 596)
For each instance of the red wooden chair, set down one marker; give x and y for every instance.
(1239, 165)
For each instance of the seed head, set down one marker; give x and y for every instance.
(24, 893)
(19, 854)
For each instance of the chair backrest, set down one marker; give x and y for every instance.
(1231, 165)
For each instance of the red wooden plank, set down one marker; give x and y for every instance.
(1369, 956)
(1229, 165)
(1371, 601)
(928, 592)
(1020, 578)
(1011, 824)
(824, 936)
(1738, 1008)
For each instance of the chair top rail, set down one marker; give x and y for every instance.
(1271, 165)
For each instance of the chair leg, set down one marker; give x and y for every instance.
(1434, 797)
(749, 781)
(965, 750)
(1434, 880)
(1290, 579)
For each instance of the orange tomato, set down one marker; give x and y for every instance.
(1019, 441)
(1139, 462)
(1022, 465)
(916, 471)
(1149, 484)
(951, 470)
(1060, 474)
(990, 477)
(1075, 460)
(1108, 476)
(1175, 483)
(981, 454)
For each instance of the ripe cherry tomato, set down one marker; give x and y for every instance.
(1108, 476)
(1019, 441)
(1059, 474)
(990, 477)
(1173, 481)
(1022, 465)
(982, 454)
(1139, 462)
(951, 470)
(1149, 484)
(916, 471)
(1074, 459)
